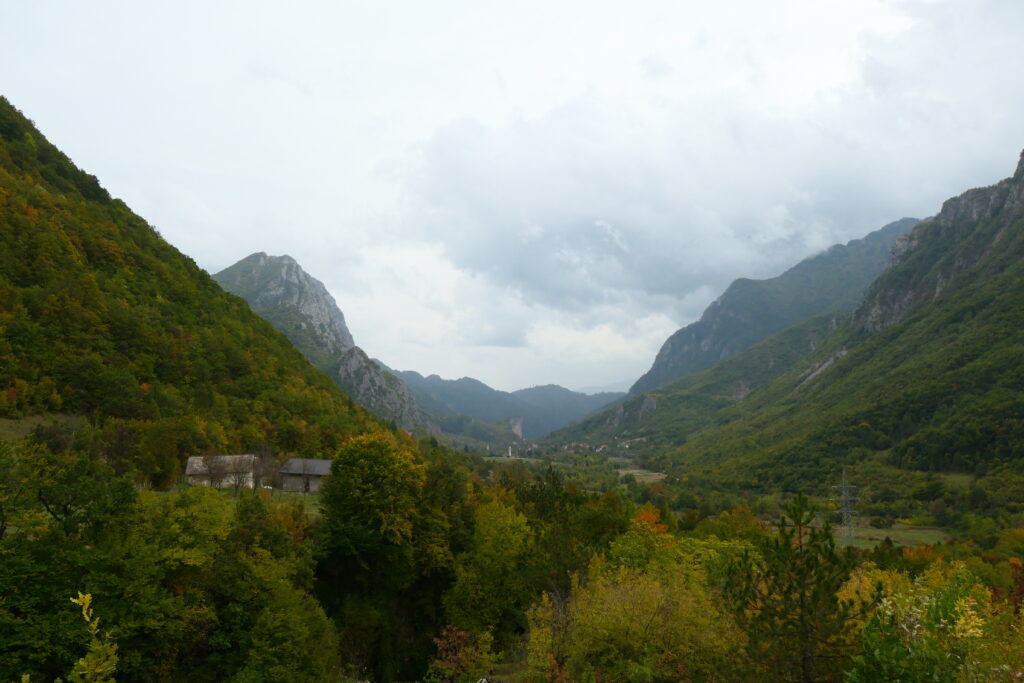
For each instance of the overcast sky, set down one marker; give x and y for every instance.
(523, 192)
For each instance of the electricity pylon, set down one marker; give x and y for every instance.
(845, 498)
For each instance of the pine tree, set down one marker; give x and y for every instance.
(785, 597)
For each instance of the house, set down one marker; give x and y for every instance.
(304, 474)
(222, 471)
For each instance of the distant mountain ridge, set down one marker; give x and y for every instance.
(752, 310)
(532, 412)
(928, 374)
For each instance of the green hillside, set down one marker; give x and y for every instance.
(927, 374)
(665, 417)
(99, 316)
(751, 310)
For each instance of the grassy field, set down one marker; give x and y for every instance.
(311, 501)
(642, 476)
(13, 430)
(901, 534)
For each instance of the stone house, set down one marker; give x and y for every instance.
(222, 471)
(304, 474)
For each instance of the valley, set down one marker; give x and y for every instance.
(691, 529)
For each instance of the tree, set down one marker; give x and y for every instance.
(643, 614)
(785, 596)
(13, 486)
(367, 552)
(369, 500)
(100, 664)
(490, 590)
(943, 626)
(79, 493)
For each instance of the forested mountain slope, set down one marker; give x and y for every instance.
(928, 374)
(666, 416)
(751, 310)
(100, 316)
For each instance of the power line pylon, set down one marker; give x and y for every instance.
(845, 498)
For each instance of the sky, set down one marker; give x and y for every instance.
(523, 192)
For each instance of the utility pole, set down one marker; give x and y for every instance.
(845, 498)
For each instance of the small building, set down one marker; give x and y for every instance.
(304, 474)
(222, 471)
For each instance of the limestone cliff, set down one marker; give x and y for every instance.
(379, 391)
(975, 234)
(299, 305)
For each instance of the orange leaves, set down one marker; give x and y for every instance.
(649, 516)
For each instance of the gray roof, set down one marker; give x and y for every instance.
(310, 466)
(222, 464)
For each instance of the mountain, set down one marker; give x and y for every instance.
(281, 292)
(667, 415)
(555, 406)
(751, 310)
(379, 391)
(531, 413)
(102, 318)
(927, 374)
(299, 305)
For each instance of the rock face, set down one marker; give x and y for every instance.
(974, 234)
(752, 310)
(296, 303)
(299, 305)
(379, 391)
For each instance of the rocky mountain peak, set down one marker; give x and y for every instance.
(974, 231)
(279, 283)
(297, 304)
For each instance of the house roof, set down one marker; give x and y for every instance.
(221, 464)
(310, 466)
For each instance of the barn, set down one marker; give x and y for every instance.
(222, 471)
(304, 474)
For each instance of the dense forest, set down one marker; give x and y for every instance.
(101, 318)
(119, 358)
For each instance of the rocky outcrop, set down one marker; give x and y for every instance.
(752, 310)
(294, 299)
(299, 305)
(379, 391)
(812, 372)
(975, 233)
